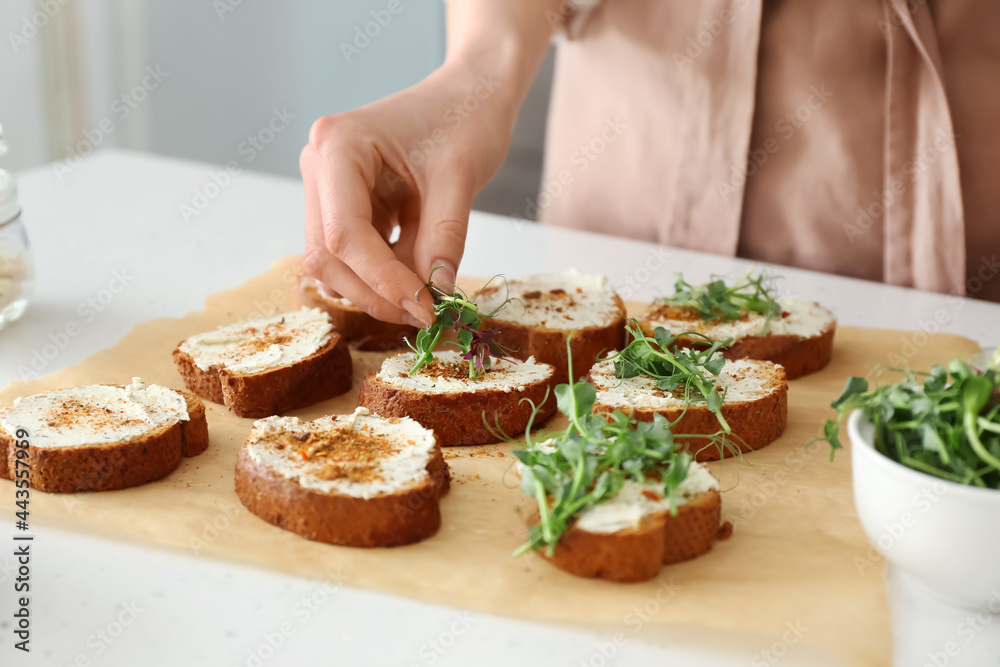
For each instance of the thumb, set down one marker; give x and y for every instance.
(444, 222)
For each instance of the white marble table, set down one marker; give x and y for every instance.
(113, 249)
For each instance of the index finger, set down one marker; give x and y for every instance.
(345, 187)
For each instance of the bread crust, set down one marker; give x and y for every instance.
(6, 446)
(548, 345)
(638, 554)
(194, 432)
(386, 520)
(799, 355)
(116, 465)
(457, 418)
(360, 329)
(323, 374)
(755, 424)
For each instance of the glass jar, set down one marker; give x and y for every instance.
(17, 269)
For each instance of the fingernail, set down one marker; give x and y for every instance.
(422, 317)
(444, 276)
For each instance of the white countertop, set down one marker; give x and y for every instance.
(112, 250)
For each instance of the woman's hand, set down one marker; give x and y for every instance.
(412, 161)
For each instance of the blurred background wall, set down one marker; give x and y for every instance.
(195, 79)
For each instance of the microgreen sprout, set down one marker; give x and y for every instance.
(458, 314)
(693, 370)
(947, 426)
(589, 461)
(719, 301)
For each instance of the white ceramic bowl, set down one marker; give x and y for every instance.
(945, 536)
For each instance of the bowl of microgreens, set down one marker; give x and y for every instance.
(925, 453)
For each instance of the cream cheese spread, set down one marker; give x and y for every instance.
(742, 380)
(449, 374)
(571, 300)
(359, 455)
(799, 318)
(633, 502)
(93, 415)
(261, 343)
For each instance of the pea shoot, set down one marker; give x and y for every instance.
(719, 301)
(589, 462)
(694, 370)
(948, 425)
(459, 315)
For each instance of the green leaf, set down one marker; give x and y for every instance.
(714, 399)
(936, 379)
(715, 366)
(663, 338)
(570, 448)
(470, 318)
(959, 369)
(831, 429)
(577, 400)
(854, 387)
(527, 481)
(932, 441)
(523, 455)
(976, 391)
(716, 300)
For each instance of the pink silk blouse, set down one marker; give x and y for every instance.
(854, 137)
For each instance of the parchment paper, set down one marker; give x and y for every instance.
(797, 576)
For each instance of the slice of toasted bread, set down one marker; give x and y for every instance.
(548, 308)
(755, 405)
(360, 329)
(801, 339)
(102, 437)
(461, 411)
(632, 536)
(267, 365)
(358, 480)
